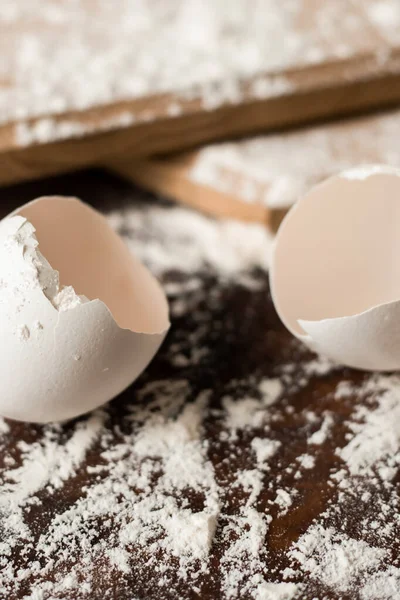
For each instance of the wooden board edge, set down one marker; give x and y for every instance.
(315, 99)
(173, 183)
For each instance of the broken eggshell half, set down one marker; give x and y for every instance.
(80, 317)
(335, 274)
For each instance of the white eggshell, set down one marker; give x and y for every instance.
(63, 354)
(335, 273)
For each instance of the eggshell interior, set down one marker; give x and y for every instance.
(67, 350)
(78, 242)
(337, 252)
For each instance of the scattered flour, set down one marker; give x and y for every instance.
(307, 461)
(376, 440)
(48, 129)
(187, 471)
(335, 559)
(275, 170)
(385, 15)
(251, 480)
(319, 437)
(264, 449)
(283, 500)
(4, 426)
(277, 591)
(243, 413)
(324, 553)
(328, 554)
(246, 553)
(184, 240)
(250, 412)
(72, 56)
(270, 389)
(383, 585)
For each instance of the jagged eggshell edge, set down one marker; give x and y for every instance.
(81, 358)
(369, 340)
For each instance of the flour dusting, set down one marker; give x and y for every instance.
(277, 169)
(72, 56)
(238, 466)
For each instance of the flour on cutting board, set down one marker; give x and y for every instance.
(277, 169)
(151, 493)
(72, 56)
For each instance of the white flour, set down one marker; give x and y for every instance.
(69, 56)
(385, 15)
(278, 169)
(330, 556)
(190, 242)
(335, 559)
(376, 438)
(187, 473)
(319, 437)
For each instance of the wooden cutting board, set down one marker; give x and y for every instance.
(258, 178)
(80, 82)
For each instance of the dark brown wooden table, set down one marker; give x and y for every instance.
(242, 346)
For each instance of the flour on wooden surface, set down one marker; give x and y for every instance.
(335, 559)
(376, 438)
(385, 15)
(278, 169)
(343, 563)
(319, 436)
(72, 56)
(184, 240)
(190, 471)
(47, 129)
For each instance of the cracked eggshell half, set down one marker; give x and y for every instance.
(335, 273)
(80, 317)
